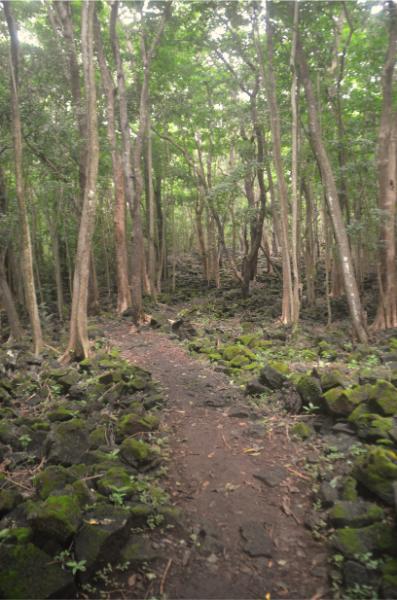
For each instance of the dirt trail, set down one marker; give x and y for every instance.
(245, 511)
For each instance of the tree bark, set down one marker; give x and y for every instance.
(269, 81)
(78, 345)
(332, 198)
(387, 146)
(27, 256)
(123, 290)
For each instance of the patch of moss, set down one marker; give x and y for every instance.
(389, 578)
(133, 423)
(28, 572)
(342, 402)
(136, 452)
(51, 479)
(377, 471)
(332, 379)
(383, 398)
(302, 430)
(309, 389)
(58, 517)
(233, 350)
(377, 537)
(280, 366)
(355, 514)
(349, 489)
(239, 361)
(116, 479)
(61, 413)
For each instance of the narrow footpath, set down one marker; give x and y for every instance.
(238, 482)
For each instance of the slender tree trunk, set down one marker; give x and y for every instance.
(310, 258)
(268, 78)
(387, 165)
(331, 192)
(123, 290)
(296, 292)
(8, 302)
(27, 258)
(151, 213)
(78, 345)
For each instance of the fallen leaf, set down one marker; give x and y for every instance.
(132, 580)
(253, 451)
(231, 487)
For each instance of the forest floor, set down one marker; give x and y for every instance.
(239, 485)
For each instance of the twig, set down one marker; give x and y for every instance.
(298, 474)
(164, 577)
(225, 442)
(24, 487)
(52, 348)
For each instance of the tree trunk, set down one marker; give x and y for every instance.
(27, 259)
(387, 145)
(151, 214)
(268, 78)
(123, 290)
(296, 292)
(78, 345)
(333, 203)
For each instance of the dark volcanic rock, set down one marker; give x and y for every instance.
(256, 541)
(272, 476)
(272, 378)
(28, 572)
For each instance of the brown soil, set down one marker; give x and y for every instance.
(229, 514)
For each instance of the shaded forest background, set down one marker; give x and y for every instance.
(136, 133)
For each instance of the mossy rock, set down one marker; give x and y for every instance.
(116, 479)
(302, 430)
(67, 442)
(103, 533)
(9, 499)
(16, 535)
(310, 391)
(131, 424)
(383, 398)
(378, 537)
(41, 426)
(342, 402)
(138, 550)
(377, 471)
(332, 379)
(348, 490)
(214, 356)
(389, 578)
(8, 433)
(372, 427)
(249, 339)
(97, 437)
(355, 514)
(371, 375)
(57, 518)
(28, 572)
(61, 413)
(271, 377)
(239, 361)
(51, 479)
(233, 350)
(136, 453)
(280, 366)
